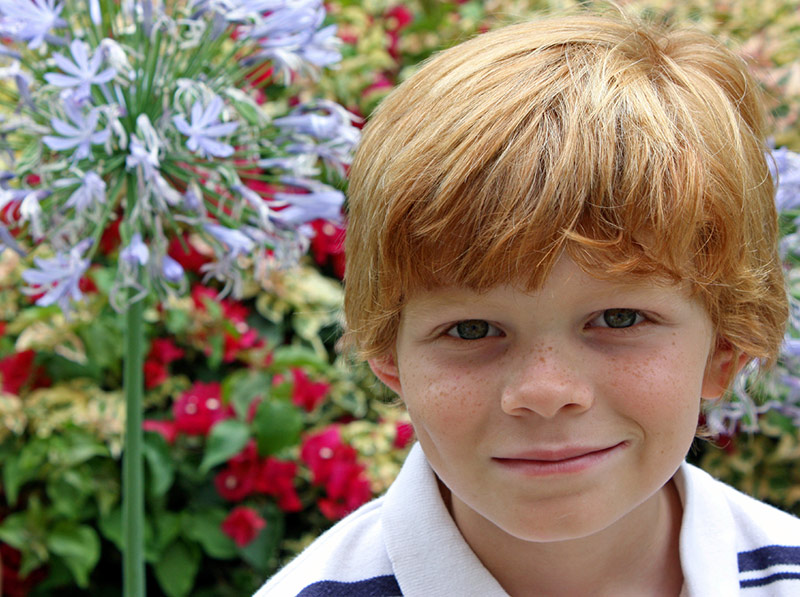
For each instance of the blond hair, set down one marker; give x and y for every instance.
(634, 148)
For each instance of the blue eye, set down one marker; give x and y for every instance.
(473, 329)
(621, 318)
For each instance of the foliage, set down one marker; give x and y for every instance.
(259, 436)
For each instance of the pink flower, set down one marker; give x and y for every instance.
(243, 525)
(166, 429)
(305, 393)
(237, 480)
(199, 408)
(347, 488)
(276, 478)
(404, 434)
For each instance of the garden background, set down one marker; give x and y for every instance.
(259, 435)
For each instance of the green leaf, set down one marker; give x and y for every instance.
(159, 464)
(261, 550)
(217, 344)
(78, 546)
(177, 569)
(240, 388)
(111, 527)
(205, 528)
(286, 357)
(227, 438)
(29, 157)
(277, 425)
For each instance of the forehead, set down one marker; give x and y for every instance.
(566, 282)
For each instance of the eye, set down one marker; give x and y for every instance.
(473, 329)
(618, 318)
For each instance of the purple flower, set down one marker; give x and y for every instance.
(321, 202)
(7, 240)
(136, 253)
(238, 243)
(171, 269)
(30, 20)
(786, 170)
(82, 73)
(290, 38)
(204, 127)
(58, 277)
(92, 189)
(82, 135)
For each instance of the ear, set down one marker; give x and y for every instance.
(723, 365)
(385, 368)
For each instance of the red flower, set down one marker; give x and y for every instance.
(14, 584)
(401, 17)
(234, 483)
(276, 479)
(199, 408)
(17, 371)
(243, 525)
(347, 489)
(404, 434)
(110, 239)
(319, 450)
(163, 350)
(192, 260)
(236, 343)
(237, 480)
(306, 393)
(327, 245)
(166, 429)
(154, 374)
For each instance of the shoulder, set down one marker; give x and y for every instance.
(348, 559)
(766, 540)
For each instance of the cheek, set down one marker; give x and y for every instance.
(661, 389)
(442, 400)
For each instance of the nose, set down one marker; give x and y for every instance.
(547, 381)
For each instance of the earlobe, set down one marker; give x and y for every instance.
(385, 369)
(723, 365)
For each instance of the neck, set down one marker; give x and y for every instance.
(638, 555)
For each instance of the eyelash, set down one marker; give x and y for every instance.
(639, 319)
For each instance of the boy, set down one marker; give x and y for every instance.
(562, 239)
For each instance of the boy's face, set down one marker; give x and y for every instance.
(556, 414)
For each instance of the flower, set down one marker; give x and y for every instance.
(204, 128)
(30, 21)
(305, 393)
(275, 478)
(199, 408)
(91, 191)
(58, 277)
(82, 135)
(82, 73)
(785, 168)
(243, 525)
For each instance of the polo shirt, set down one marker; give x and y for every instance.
(406, 543)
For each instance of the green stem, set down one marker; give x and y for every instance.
(133, 464)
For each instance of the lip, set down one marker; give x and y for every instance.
(571, 459)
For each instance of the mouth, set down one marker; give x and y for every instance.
(559, 461)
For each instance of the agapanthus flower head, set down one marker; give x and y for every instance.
(143, 114)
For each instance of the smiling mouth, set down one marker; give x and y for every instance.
(571, 460)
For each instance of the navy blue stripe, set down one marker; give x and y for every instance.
(379, 586)
(771, 555)
(768, 580)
